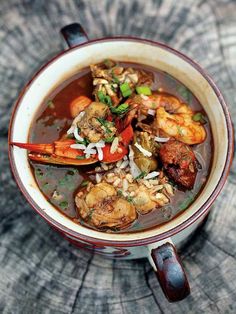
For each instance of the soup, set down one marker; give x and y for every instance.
(126, 147)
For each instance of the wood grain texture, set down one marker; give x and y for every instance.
(40, 272)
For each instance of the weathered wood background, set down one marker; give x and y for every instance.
(39, 271)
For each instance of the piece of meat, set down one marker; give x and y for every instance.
(179, 162)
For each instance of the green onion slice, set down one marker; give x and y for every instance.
(144, 90)
(125, 90)
(198, 117)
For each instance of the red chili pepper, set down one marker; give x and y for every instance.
(127, 135)
(109, 157)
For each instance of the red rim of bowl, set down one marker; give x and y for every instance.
(129, 243)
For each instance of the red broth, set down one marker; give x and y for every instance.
(59, 184)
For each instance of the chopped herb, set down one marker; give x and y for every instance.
(90, 213)
(115, 78)
(70, 136)
(130, 199)
(120, 110)
(39, 173)
(141, 175)
(108, 63)
(84, 142)
(153, 105)
(50, 104)
(185, 204)
(184, 93)
(199, 117)
(105, 123)
(80, 157)
(46, 186)
(72, 172)
(104, 98)
(125, 90)
(109, 139)
(180, 131)
(63, 204)
(67, 182)
(144, 90)
(84, 183)
(119, 192)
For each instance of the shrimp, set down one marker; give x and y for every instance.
(172, 117)
(180, 125)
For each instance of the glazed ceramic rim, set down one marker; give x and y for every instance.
(139, 242)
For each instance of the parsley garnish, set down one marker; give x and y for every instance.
(120, 110)
(130, 199)
(50, 104)
(109, 139)
(199, 117)
(84, 183)
(63, 204)
(84, 142)
(104, 98)
(185, 204)
(180, 131)
(90, 213)
(141, 175)
(105, 123)
(39, 173)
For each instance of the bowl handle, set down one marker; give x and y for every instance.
(74, 34)
(169, 270)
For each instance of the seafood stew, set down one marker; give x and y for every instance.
(120, 147)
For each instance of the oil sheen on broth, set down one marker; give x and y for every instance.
(59, 184)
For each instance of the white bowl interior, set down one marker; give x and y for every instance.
(151, 55)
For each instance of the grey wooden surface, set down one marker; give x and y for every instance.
(39, 271)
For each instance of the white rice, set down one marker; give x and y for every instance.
(118, 163)
(134, 169)
(90, 151)
(151, 112)
(91, 145)
(74, 122)
(125, 184)
(78, 146)
(161, 139)
(98, 178)
(152, 175)
(144, 97)
(124, 164)
(76, 134)
(100, 153)
(101, 143)
(142, 150)
(71, 130)
(114, 145)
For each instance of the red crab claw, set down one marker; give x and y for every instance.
(61, 153)
(58, 152)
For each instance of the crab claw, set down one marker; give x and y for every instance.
(38, 148)
(57, 160)
(59, 153)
